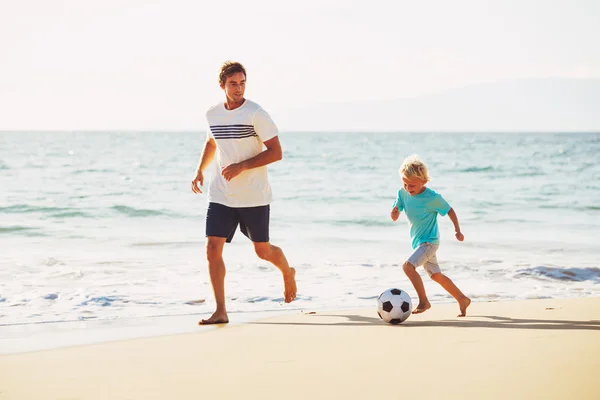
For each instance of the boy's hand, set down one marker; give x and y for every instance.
(395, 214)
(459, 236)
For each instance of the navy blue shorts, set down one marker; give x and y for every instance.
(222, 221)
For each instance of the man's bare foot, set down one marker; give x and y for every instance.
(289, 282)
(463, 304)
(421, 308)
(216, 318)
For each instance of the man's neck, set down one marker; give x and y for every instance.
(232, 105)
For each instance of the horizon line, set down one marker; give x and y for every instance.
(291, 131)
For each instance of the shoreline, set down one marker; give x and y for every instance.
(47, 336)
(524, 349)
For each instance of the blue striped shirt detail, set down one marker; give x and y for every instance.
(237, 131)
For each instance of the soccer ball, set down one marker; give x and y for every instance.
(394, 306)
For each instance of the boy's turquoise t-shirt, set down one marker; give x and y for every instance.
(421, 211)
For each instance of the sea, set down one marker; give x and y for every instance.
(101, 237)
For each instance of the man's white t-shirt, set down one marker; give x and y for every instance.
(239, 135)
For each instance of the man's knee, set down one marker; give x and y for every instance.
(214, 250)
(408, 267)
(264, 251)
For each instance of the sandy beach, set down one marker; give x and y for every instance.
(546, 349)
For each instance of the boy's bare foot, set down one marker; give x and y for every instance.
(463, 304)
(421, 308)
(289, 282)
(216, 318)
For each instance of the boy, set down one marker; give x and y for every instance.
(422, 205)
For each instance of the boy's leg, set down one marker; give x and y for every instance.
(419, 257)
(275, 256)
(216, 269)
(450, 287)
(417, 282)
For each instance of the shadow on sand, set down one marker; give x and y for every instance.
(463, 322)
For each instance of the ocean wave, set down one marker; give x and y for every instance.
(102, 301)
(85, 171)
(528, 174)
(51, 212)
(315, 199)
(257, 299)
(505, 220)
(359, 222)
(477, 169)
(20, 230)
(71, 214)
(166, 244)
(26, 208)
(140, 212)
(570, 206)
(562, 274)
(14, 228)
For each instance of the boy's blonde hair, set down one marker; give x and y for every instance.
(413, 167)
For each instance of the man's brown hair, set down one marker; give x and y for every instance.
(229, 68)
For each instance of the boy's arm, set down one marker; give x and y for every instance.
(395, 209)
(395, 213)
(459, 236)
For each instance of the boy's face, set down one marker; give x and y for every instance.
(413, 185)
(234, 87)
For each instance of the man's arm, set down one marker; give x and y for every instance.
(459, 236)
(270, 155)
(208, 154)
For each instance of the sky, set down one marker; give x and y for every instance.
(153, 64)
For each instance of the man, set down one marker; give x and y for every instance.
(239, 191)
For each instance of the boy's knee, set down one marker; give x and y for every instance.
(408, 267)
(437, 277)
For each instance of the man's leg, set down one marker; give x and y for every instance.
(417, 282)
(216, 270)
(275, 256)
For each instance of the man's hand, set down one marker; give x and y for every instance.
(199, 179)
(231, 171)
(395, 214)
(459, 236)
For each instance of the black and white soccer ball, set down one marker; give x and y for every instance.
(394, 306)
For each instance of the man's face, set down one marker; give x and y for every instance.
(413, 186)
(234, 87)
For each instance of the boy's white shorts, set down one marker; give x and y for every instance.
(425, 255)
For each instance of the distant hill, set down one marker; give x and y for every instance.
(546, 104)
